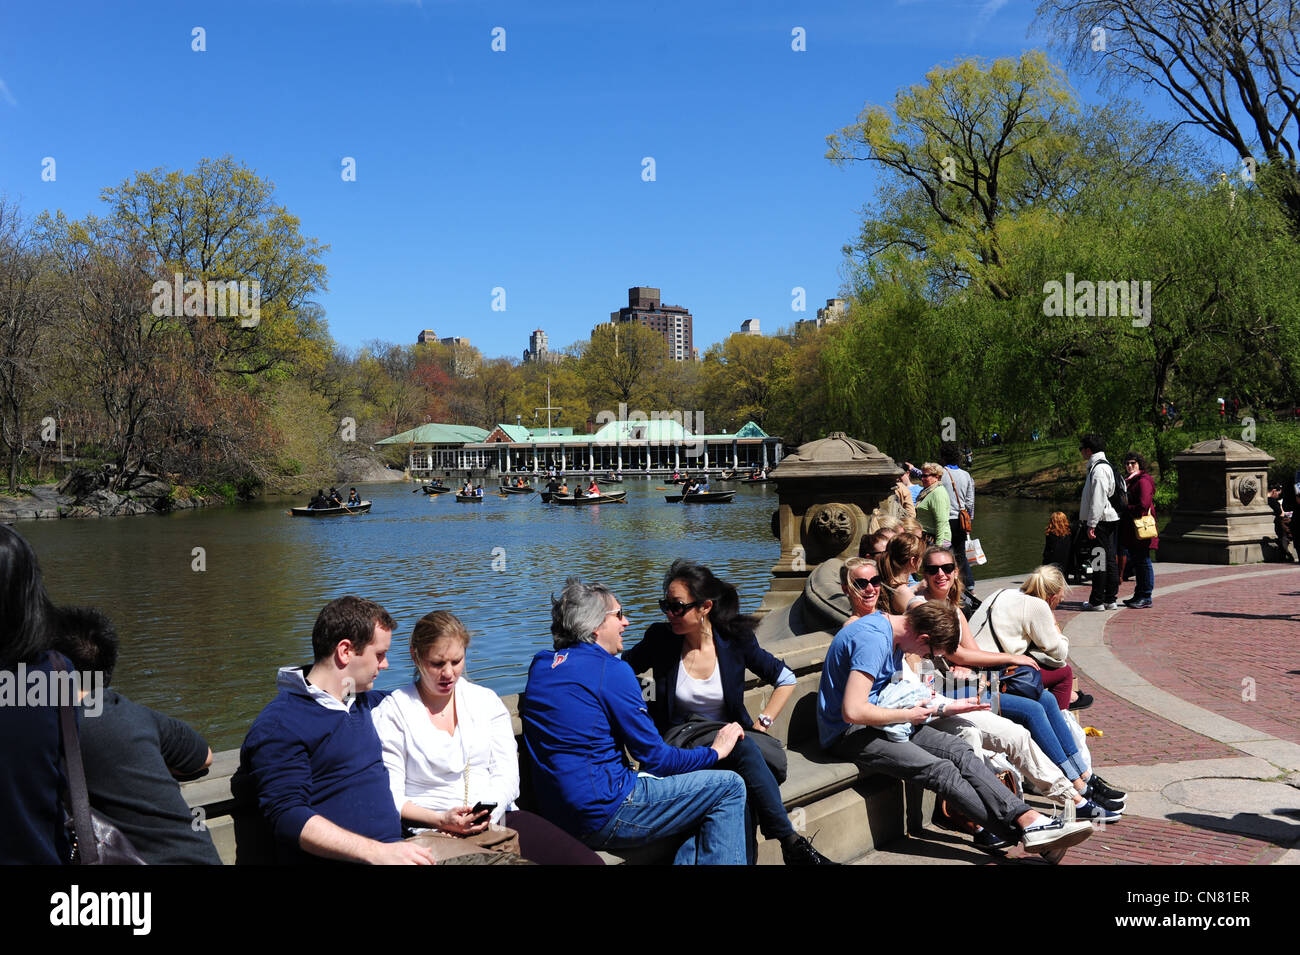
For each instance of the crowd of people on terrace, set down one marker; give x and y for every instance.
(922, 683)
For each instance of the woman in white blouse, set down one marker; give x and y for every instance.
(449, 746)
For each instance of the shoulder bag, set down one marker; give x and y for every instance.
(1017, 679)
(697, 731)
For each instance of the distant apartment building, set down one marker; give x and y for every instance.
(749, 327)
(671, 321)
(835, 310)
(537, 349)
(426, 337)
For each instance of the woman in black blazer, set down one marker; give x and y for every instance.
(698, 659)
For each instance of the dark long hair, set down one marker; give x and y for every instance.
(725, 617)
(25, 608)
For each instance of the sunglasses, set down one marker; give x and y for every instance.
(862, 583)
(931, 569)
(675, 608)
(617, 613)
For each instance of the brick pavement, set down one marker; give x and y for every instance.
(1220, 645)
(1138, 841)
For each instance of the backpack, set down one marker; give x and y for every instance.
(1119, 497)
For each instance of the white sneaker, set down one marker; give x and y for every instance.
(1111, 606)
(1087, 607)
(1056, 834)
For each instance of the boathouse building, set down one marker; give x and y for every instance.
(630, 446)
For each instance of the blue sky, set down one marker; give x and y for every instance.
(477, 169)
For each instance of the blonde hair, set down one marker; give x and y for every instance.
(439, 625)
(1044, 583)
(910, 525)
(932, 469)
(879, 521)
(852, 564)
(954, 584)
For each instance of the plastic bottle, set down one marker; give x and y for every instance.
(926, 673)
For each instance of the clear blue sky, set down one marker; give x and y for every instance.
(475, 169)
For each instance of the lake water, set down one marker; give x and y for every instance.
(204, 646)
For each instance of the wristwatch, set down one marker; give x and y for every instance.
(938, 714)
(765, 721)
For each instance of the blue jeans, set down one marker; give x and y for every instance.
(1047, 727)
(764, 804)
(707, 807)
(1140, 558)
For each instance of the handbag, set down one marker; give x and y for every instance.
(95, 840)
(966, 522)
(1145, 526)
(697, 731)
(1016, 678)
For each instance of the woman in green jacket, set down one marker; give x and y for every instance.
(932, 506)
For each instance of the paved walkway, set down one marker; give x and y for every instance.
(1198, 701)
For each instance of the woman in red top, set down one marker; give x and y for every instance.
(1141, 500)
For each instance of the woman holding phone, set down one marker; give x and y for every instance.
(450, 751)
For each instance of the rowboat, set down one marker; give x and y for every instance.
(613, 497)
(469, 499)
(435, 489)
(702, 497)
(618, 479)
(330, 511)
(507, 489)
(755, 480)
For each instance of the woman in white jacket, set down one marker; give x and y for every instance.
(449, 746)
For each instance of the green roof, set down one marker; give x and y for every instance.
(751, 430)
(436, 433)
(515, 432)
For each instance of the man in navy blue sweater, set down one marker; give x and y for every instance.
(313, 755)
(582, 706)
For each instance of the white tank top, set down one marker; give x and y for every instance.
(702, 697)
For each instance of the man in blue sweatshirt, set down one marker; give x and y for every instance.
(313, 756)
(581, 708)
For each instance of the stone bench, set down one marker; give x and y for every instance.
(849, 813)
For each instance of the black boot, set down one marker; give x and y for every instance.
(799, 851)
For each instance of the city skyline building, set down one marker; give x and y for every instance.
(675, 323)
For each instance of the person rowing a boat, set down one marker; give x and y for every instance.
(335, 500)
(467, 490)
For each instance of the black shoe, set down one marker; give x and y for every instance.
(1113, 805)
(989, 841)
(800, 851)
(1099, 787)
(1083, 702)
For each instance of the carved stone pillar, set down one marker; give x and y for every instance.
(1222, 516)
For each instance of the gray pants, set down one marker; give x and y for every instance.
(941, 763)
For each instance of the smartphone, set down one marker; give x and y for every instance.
(483, 807)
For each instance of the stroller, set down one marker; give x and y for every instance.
(1079, 568)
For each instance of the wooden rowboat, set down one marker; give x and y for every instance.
(435, 489)
(613, 497)
(329, 511)
(507, 489)
(469, 499)
(703, 497)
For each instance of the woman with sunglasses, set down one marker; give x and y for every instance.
(698, 658)
(932, 505)
(1041, 716)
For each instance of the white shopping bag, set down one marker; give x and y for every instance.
(974, 552)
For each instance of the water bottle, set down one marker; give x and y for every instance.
(995, 692)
